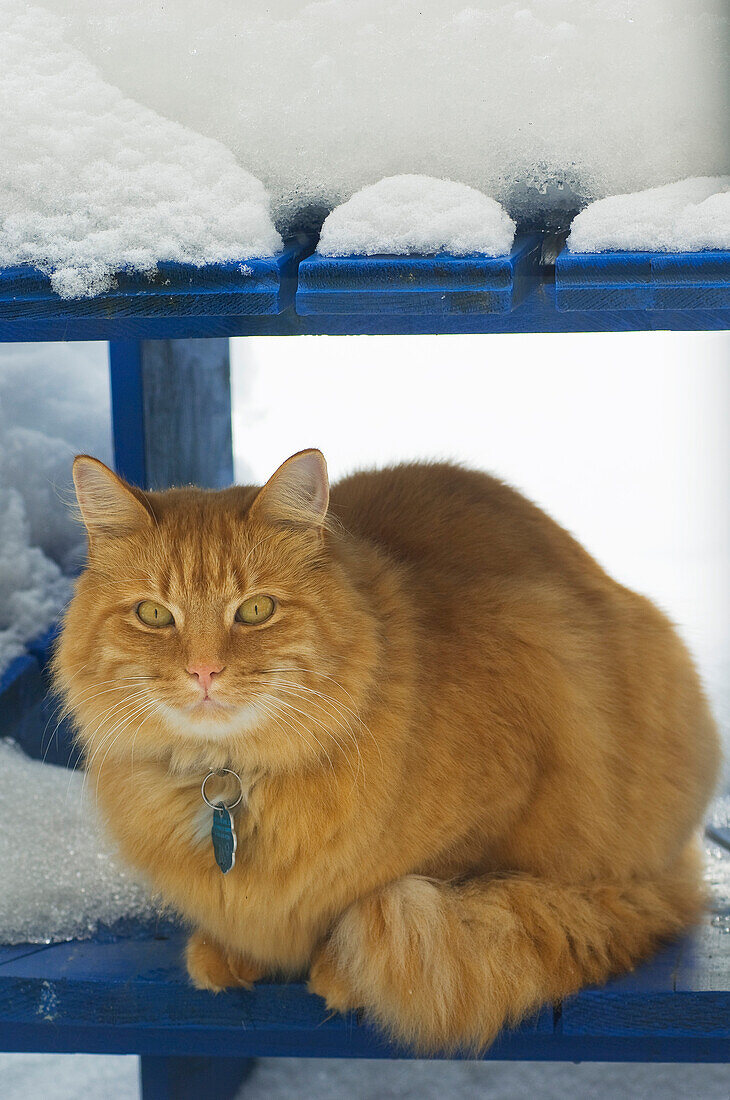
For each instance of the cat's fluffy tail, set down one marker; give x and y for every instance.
(442, 966)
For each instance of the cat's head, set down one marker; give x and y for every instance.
(214, 625)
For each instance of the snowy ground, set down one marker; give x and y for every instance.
(41, 544)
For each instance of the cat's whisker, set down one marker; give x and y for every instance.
(275, 705)
(123, 721)
(140, 710)
(256, 546)
(65, 709)
(311, 691)
(313, 672)
(108, 716)
(99, 719)
(320, 702)
(279, 703)
(304, 714)
(326, 676)
(68, 708)
(296, 730)
(301, 691)
(269, 709)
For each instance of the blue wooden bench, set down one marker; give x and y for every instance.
(169, 366)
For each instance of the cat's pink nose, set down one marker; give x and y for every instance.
(204, 674)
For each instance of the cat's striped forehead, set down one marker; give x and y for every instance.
(204, 543)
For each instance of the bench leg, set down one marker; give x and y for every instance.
(171, 412)
(184, 1078)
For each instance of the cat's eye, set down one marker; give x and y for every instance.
(154, 614)
(256, 609)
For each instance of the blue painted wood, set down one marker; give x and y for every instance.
(537, 313)
(127, 409)
(42, 647)
(683, 993)
(170, 327)
(442, 284)
(643, 280)
(239, 288)
(719, 834)
(17, 951)
(171, 412)
(132, 996)
(29, 713)
(21, 700)
(186, 1078)
(186, 416)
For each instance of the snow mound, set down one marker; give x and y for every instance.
(543, 104)
(402, 215)
(60, 880)
(32, 588)
(92, 183)
(53, 403)
(687, 216)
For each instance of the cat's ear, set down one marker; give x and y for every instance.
(297, 493)
(108, 505)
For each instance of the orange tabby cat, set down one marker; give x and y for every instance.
(473, 765)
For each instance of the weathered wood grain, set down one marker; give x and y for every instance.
(171, 412)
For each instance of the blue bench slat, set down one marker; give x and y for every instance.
(242, 288)
(133, 996)
(537, 313)
(138, 990)
(643, 280)
(29, 714)
(10, 953)
(719, 834)
(21, 700)
(441, 284)
(704, 966)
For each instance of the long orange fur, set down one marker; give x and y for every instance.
(475, 765)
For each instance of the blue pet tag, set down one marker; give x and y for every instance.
(224, 838)
(223, 833)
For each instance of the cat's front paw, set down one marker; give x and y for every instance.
(211, 967)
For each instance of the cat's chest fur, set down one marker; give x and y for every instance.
(164, 826)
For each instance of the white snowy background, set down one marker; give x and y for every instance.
(622, 437)
(522, 99)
